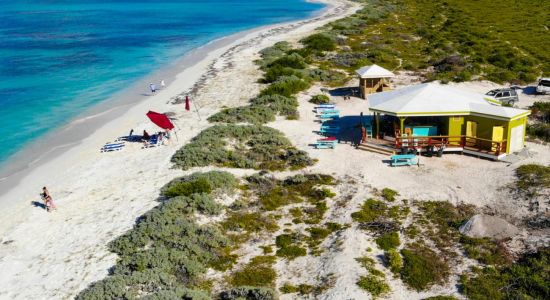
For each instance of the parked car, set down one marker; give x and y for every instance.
(506, 96)
(544, 86)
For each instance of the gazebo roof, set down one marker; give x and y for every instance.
(432, 99)
(374, 71)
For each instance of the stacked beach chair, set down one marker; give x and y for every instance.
(328, 115)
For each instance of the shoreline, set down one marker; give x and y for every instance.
(99, 196)
(65, 138)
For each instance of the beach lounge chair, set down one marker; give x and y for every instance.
(321, 109)
(328, 111)
(112, 147)
(324, 106)
(404, 160)
(329, 116)
(326, 144)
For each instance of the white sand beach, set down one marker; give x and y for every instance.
(100, 195)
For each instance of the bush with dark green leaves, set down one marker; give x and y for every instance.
(289, 246)
(241, 146)
(370, 211)
(319, 42)
(528, 278)
(320, 99)
(422, 267)
(250, 114)
(284, 106)
(258, 272)
(389, 240)
(249, 293)
(286, 86)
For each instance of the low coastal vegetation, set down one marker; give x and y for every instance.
(241, 146)
(449, 40)
(539, 121)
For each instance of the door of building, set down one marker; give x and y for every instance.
(516, 138)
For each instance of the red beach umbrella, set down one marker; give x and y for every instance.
(187, 107)
(161, 120)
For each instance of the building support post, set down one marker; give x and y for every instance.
(402, 125)
(377, 117)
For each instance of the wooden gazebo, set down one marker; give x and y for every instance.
(373, 79)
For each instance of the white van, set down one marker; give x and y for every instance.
(544, 86)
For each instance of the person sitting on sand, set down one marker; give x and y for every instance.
(146, 135)
(48, 200)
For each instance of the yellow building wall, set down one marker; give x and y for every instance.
(485, 126)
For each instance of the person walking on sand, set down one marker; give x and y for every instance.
(153, 87)
(162, 84)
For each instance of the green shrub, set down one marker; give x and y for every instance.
(319, 42)
(249, 293)
(441, 298)
(422, 267)
(394, 261)
(526, 279)
(200, 185)
(272, 53)
(370, 211)
(258, 272)
(252, 114)
(218, 180)
(286, 86)
(485, 251)
(284, 106)
(302, 289)
(389, 240)
(203, 203)
(539, 130)
(287, 247)
(274, 73)
(320, 99)
(389, 194)
(532, 178)
(375, 285)
(293, 61)
(251, 222)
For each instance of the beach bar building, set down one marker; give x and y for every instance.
(373, 79)
(447, 118)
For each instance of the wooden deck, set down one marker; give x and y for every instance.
(463, 144)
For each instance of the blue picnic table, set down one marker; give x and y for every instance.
(404, 160)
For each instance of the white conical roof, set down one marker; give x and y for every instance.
(374, 71)
(432, 99)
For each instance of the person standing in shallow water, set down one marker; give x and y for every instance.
(153, 87)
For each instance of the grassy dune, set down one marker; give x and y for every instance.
(502, 41)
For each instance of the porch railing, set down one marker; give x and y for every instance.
(462, 141)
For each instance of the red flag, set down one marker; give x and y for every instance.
(161, 120)
(187, 107)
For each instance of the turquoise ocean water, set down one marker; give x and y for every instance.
(60, 57)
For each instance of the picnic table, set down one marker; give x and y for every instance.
(404, 160)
